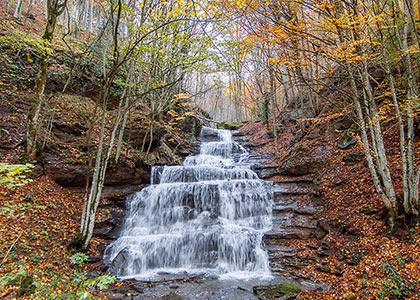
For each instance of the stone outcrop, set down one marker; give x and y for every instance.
(73, 175)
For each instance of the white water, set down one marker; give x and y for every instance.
(206, 216)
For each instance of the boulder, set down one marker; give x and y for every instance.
(120, 263)
(346, 141)
(229, 125)
(209, 135)
(275, 291)
(172, 296)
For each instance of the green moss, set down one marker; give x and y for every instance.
(275, 291)
(346, 141)
(288, 288)
(229, 125)
(172, 296)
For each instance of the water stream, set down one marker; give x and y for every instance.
(206, 216)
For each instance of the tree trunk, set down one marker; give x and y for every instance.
(54, 10)
(412, 97)
(80, 12)
(18, 8)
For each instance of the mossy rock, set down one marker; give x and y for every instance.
(27, 286)
(346, 141)
(275, 291)
(25, 282)
(172, 296)
(229, 125)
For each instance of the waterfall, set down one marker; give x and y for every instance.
(206, 216)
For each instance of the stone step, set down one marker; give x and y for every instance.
(286, 220)
(293, 179)
(285, 249)
(291, 189)
(280, 208)
(274, 237)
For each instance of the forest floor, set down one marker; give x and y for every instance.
(41, 218)
(364, 262)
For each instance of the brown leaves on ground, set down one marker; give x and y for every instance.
(363, 262)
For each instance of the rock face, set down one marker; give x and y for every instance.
(266, 171)
(303, 165)
(294, 212)
(136, 136)
(296, 204)
(346, 141)
(74, 176)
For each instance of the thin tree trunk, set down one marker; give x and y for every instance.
(18, 8)
(54, 10)
(273, 110)
(412, 96)
(389, 204)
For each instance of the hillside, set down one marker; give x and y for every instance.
(312, 194)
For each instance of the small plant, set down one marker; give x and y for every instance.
(14, 175)
(81, 280)
(50, 284)
(394, 286)
(79, 259)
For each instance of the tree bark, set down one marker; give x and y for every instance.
(18, 8)
(55, 8)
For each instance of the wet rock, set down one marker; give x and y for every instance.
(237, 133)
(172, 296)
(120, 263)
(229, 125)
(346, 141)
(312, 286)
(275, 291)
(278, 234)
(209, 135)
(353, 158)
(103, 230)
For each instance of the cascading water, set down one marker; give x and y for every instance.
(206, 216)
